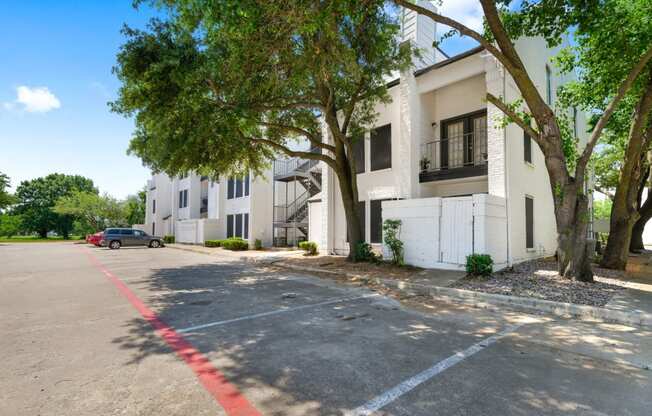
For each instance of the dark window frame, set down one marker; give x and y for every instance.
(529, 222)
(380, 152)
(239, 189)
(246, 185)
(230, 189)
(238, 225)
(245, 226)
(376, 230)
(229, 225)
(468, 128)
(527, 148)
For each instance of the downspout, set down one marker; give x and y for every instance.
(505, 148)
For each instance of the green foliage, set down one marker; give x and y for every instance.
(310, 247)
(6, 198)
(258, 245)
(391, 238)
(235, 244)
(135, 208)
(36, 199)
(363, 252)
(10, 225)
(169, 239)
(97, 212)
(223, 87)
(602, 209)
(479, 264)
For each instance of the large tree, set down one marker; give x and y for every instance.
(135, 207)
(225, 86)
(36, 199)
(6, 198)
(567, 171)
(95, 211)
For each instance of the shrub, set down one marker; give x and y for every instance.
(363, 252)
(235, 244)
(258, 245)
(168, 239)
(213, 243)
(310, 247)
(479, 264)
(391, 233)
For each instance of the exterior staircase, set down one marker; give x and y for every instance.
(304, 175)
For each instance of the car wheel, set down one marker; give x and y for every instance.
(155, 244)
(114, 244)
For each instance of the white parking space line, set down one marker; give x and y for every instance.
(394, 393)
(275, 312)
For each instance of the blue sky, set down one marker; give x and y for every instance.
(56, 80)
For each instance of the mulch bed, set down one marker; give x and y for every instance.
(539, 279)
(363, 270)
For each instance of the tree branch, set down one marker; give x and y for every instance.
(293, 153)
(620, 94)
(515, 117)
(463, 29)
(311, 137)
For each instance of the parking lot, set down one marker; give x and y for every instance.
(137, 331)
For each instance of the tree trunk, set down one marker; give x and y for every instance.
(624, 212)
(645, 212)
(348, 189)
(573, 251)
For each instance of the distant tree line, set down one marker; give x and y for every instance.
(64, 204)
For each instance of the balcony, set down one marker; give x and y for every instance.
(459, 156)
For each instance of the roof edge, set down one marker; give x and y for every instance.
(450, 60)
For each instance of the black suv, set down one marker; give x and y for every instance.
(118, 237)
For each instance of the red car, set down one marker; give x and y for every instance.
(94, 238)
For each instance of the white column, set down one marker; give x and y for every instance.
(495, 78)
(409, 138)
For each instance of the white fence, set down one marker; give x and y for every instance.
(441, 232)
(196, 231)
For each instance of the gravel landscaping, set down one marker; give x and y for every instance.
(539, 279)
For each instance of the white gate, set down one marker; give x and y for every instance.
(456, 234)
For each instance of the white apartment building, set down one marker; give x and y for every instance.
(439, 159)
(195, 208)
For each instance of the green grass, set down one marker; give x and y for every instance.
(36, 239)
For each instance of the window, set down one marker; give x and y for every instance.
(238, 225)
(358, 154)
(126, 232)
(527, 147)
(230, 192)
(183, 198)
(238, 188)
(376, 221)
(138, 233)
(153, 206)
(381, 148)
(529, 222)
(229, 226)
(246, 185)
(548, 85)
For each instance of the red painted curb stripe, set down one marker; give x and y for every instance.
(226, 394)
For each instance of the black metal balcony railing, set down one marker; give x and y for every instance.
(457, 156)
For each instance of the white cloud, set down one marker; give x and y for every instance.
(36, 99)
(468, 12)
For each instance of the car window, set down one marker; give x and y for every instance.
(127, 232)
(138, 233)
(111, 231)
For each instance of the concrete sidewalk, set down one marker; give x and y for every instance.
(264, 256)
